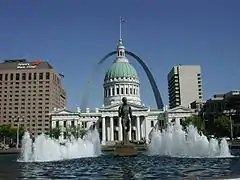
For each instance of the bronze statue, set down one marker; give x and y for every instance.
(125, 112)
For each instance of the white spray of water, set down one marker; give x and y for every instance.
(174, 141)
(47, 149)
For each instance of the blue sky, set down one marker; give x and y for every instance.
(73, 35)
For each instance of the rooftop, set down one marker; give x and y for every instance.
(17, 64)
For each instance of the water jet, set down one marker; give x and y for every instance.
(46, 148)
(174, 141)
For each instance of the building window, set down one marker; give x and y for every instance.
(130, 90)
(57, 124)
(0, 77)
(117, 90)
(47, 75)
(122, 90)
(126, 90)
(30, 76)
(109, 92)
(23, 76)
(6, 77)
(11, 77)
(152, 123)
(40, 76)
(17, 76)
(35, 76)
(113, 91)
(181, 121)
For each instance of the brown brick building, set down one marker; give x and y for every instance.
(29, 90)
(215, 107)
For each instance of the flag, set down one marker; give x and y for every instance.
(61, 75)
(122, 20)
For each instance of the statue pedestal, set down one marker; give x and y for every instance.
(125, 150)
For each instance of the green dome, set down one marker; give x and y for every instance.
(121, 69)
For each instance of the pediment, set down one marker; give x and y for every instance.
(63, 111)
(114, 107)
(180, 109)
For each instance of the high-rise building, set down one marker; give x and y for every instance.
(29, 91)
(184, 85)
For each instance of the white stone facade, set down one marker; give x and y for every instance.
(178, 114)
(109, 125)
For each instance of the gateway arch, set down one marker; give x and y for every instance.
(152, 82)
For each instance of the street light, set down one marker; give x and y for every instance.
(18, 119)
(230, 113)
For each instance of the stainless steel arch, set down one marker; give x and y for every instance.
(155, 89)
(151, 79)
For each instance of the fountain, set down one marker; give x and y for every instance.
(174, 141)
(47, 149)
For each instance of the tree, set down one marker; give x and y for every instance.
(76, 131)
(13, 133)
(69, 131)
(55, 132)
(222, 126)
(8, 134)
(196, 121)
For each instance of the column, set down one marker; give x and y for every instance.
(138, 128)
(138, 91)
(103, 131)
(111, 129)
(53, 124)
(142, 127)
(120, 133)
(80, 124)
(68, 123)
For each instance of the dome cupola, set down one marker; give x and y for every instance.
(121, 79)
(121, 68)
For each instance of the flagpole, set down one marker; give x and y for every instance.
(120, 29)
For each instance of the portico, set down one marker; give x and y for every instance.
(112, 129)
(111, 126)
